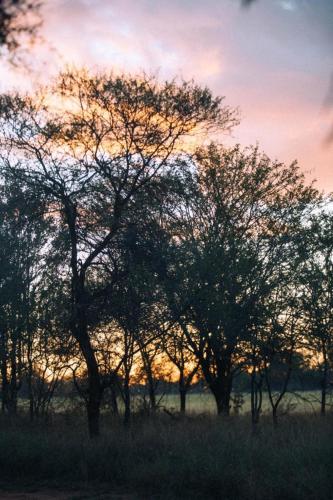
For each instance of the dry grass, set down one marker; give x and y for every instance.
(199, 457)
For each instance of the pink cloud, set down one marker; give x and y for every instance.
(272, 62)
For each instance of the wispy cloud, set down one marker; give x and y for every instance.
(273, 60)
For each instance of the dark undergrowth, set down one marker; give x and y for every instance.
(202, 457)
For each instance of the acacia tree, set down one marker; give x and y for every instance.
(135, 301)
(48, 345)
(131, 306)
(279, 343)
(274, 342)
(88, 146)
(230, 234)
(178, 351)
(315, 284)
(22, 240)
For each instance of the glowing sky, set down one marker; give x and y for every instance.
(273, 60)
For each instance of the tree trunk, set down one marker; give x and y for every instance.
(94, 383)
(274, 416)
(182, 394)
(256, 397)
(222, 403)
(114, 401)
(30, 365)
(221, 389)
(79, 329)
(79, 326)
(150, 379)
(323, 400)
(13, 386)
(182, 391)
(152, 395)
(4, 386)
(3, 368)
(30, 391)
(94, 397)
(93, 412)
(219, 382)
(127, 400)
(324, 384)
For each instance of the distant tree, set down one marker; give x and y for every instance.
(22, 239)
(135, 302)
(49, 348)
(177, 349)
(132, 306)
(279, 344)
(315, 281)
(276, 337)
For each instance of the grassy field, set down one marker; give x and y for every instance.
(307, 402)
(302, 402)
(202, 457)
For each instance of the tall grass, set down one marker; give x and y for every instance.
(200, 457)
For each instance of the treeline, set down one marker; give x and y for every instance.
(136, 248)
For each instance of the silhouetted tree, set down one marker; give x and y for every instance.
(177, 348)
(229, 236)
(22, 239)
(89, 151)
(315, 281)
(279, 342)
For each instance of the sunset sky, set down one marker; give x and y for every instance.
(273, 60)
